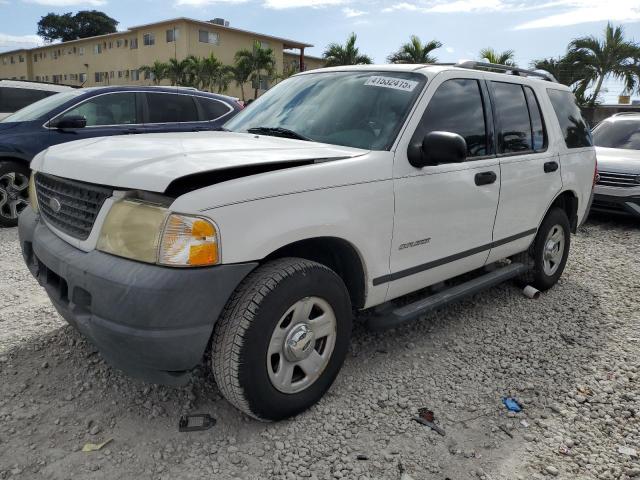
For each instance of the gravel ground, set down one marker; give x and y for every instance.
(570, 358)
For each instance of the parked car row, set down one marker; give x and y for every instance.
(76, 114)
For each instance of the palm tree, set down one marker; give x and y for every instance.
(259, 61)
(415, 52)
(570, 71)
(157, 71)
(609, 56)
(222, 78)
(240, 74)
(500, 58)
(177, 71)
(347, 54)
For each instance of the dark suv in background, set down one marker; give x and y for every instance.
(97, 112)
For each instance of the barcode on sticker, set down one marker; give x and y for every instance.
(390, 82)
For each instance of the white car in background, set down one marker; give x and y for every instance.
(617, 141)
(17, 94)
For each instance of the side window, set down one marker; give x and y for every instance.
(171, 108)
(109, 109)
(457, 107)
(537, 125)
(213, 108)
(514, 126)
(13, 99)
(574, 127)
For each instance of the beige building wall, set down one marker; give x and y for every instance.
(115, 59)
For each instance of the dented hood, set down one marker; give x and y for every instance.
(151, 162)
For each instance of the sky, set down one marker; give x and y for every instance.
(533, 29)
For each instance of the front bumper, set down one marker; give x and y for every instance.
(624, 205)
(151, 322)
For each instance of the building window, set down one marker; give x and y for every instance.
(35, 59)
(120, 74)
(13, 60)
(110, 45)
(118, 43)
(264, 45)
(264, 84)
(80, 51)
(82, 77)
(173, 35)
(97, 48)
(208, 37)
(133, 44)
(149, 39)
(112, 74)
(135, 75)
(21, 59)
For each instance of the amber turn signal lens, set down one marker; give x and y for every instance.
(188, 241)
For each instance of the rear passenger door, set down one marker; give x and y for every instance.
(170, 112)
(530, 172)
(444, 213)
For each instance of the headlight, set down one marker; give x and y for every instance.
(33, 198)
(149, 233)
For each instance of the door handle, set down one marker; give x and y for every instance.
(550, 167)
(485, 178)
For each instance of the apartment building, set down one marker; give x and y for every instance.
(116, 58)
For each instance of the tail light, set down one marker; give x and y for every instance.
(596, 175)
(240, 104)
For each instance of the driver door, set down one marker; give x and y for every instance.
(444, 214)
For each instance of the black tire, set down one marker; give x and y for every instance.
(534, 256)
(9, 195)
(243, 332)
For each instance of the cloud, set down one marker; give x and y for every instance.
(352, 13)
(282, 4)
(448, 7)
(201, 3)
(587, 11)
(67, 3)
(15, 42)
(449, 49)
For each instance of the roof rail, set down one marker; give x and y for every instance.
(621, 114)
(39, 82)
(473, 65)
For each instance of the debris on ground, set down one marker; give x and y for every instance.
(632, 452)
(427, 418)
(94, 447)
(512, 404)
(505, 430)
(196, 422)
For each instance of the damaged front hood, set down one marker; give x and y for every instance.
(151, 162)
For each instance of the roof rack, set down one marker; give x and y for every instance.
(510, 70)
(37, 81)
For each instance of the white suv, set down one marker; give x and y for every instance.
(340, 189)
(17, 94)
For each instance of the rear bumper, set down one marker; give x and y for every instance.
(152, 322)
(623, 205)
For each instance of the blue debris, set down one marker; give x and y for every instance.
(512, 404)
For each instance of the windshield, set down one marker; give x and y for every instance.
(42, 107)
(618, 134)
(354, 109)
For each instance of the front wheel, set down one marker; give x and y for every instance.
(548, 254)
(14, 192)
(282, 338)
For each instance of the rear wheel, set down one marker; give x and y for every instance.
(548, 254)
(14, 192)
(282, 338)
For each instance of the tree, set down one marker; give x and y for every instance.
(85, 23)
(240, 74)
(500, 58)
(347, 54)
(415, 52)
(158, 71)
(259, 61)
(610, 56)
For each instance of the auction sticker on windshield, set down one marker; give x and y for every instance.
(390, 82)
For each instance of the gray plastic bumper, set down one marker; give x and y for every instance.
(152, 322)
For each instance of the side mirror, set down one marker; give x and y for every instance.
(69, 122)
(437, 148)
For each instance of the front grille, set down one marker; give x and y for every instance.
(623, 180)
(607, 205)
(69, 205)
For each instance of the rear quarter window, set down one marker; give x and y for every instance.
(13, 99)
(574, 128)
(212, 108)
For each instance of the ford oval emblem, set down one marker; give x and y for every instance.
(55, 205)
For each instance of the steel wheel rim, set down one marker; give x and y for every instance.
(553, 250)
(14, 194)
(301, 345)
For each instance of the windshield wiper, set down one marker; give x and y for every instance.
(278, 132)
